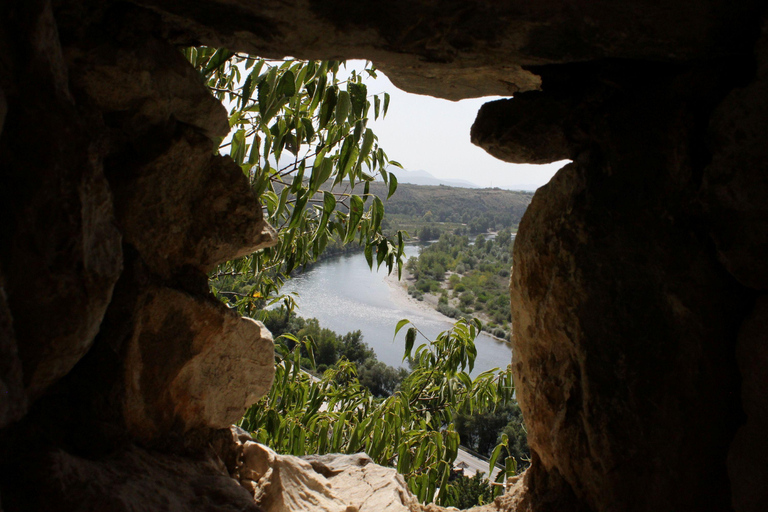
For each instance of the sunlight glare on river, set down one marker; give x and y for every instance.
(345, 295)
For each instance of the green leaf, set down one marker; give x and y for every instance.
(377, 213)
(369, 255)
(410, 338)
(218, 59)
(392, 185)
(376, 107)
(386, 103)
(286, 87)
(329, 202)
(381, 253)
(367, 144)
(238, 147)
(326, 109)
(402, 323)
(245, 92)
(358, 93)
(355, 214)
(342, 107)
(496, 453)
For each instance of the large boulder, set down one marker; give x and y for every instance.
(747, 457)
(61, 252)
(13, 399)
(128, 479)
(327, 483)
(736, 180)
(192, 364)
(624, 320)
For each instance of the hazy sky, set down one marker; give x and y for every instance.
(430, 134)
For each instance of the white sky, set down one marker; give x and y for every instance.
(430, 134)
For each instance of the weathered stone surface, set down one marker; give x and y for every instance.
(60, 251)
(536, 490)
(463, 49)
(624, 321)
(130, 479)
(13, 399)
(146, 83)
(331, 483)
(748, 457)
(523, 131)
(367, 486)
(736, 182)
(188, 208)
(192, 364)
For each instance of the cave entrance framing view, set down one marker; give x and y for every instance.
(639, 271)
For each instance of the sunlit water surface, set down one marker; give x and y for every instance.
(345, 295)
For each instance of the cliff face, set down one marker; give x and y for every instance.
(639, 274)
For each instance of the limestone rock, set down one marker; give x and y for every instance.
(526, 129)
(367, 486)
(13, 399)
(332, 483)
(129, 479)
(624, 320)
(60, 252)
(192, 364)
(141, 83)
(188, 208)
(476, 49)
(748, 455)
(736, 181)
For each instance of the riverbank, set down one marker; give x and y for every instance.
(401, 296)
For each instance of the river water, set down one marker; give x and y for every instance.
(345, 295)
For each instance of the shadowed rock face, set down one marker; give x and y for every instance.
(639, 271)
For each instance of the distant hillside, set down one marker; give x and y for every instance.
(456, 205)
(424, 178)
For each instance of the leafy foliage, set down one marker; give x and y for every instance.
(330, 348)
(483, 431)
(472, 279)
(412, 430)
(300, 135)
(471, 491)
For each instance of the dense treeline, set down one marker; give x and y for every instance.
(330, 348)
(469, 278)
(493, 208)
(481, 431)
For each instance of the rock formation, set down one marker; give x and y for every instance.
(328, 483)
(639, 277)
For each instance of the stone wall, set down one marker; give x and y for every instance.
(639, 272)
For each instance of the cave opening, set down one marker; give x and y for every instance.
(639, 280)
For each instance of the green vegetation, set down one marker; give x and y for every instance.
(412, 430)
(300, 136)
(482, 431)
(332, 350)
(471, 491)
(429, 211)
(469, 279)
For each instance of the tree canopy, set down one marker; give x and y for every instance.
(300, 135)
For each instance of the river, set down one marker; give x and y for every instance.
(345, 295)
